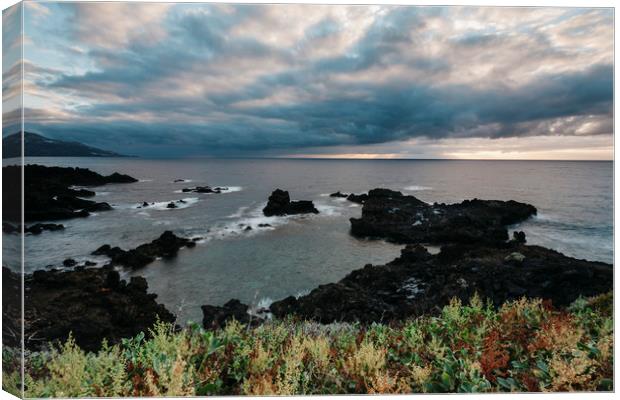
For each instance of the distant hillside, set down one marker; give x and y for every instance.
(40, 146)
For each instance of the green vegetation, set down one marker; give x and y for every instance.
(526, 345)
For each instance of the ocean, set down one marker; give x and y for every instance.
(295, 254)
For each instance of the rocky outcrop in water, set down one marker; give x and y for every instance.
(205, 189)
(35, 229)
(91, 304)
(339, 194)
(476, 257)
(405, 219)
(280, 204)
(166, 246)
(417, 282)
(48, 192)
(358, 198)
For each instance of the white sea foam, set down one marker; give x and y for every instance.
(163, 205)
(327, 210)
(102, 193)
(261, 308)
(239, 213)
(416, 188)
(302, 293)
(250, 222)
(145, 180)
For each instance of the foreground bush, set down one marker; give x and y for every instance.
(526, 345)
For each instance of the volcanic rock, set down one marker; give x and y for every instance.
(357, 198)
(166, 246)
(217, 316)
(91, 304)
(48, 192)
(405, 219)
(280, 204)
(419, 283)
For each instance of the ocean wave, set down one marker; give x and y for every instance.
(328, 210)
(416, 188)
(250, 222)
(239, 213)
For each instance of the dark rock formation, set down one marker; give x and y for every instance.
(35, 229)
(92, 304)
(166, 246)
(10, 228)
(418, 282)
(280, 204)
(357, 198)
(338, 194)
(405, 219)
(69, 262)
(519, 237)
(216, 316)
(48, 194)
(206, 189)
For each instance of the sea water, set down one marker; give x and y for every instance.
(282, 256)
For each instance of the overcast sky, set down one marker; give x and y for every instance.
(168, 80)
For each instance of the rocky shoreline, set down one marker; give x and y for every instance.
(50, 193)
(476, 257)
(92, 304)
(165, 246)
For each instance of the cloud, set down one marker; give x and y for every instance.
(219, 79)
(116, 25)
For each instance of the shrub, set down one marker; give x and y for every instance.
(525, 345)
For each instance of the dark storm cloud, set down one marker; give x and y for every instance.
(245, 78)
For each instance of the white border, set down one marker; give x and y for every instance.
(552, 3)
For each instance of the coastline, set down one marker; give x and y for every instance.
(476, 257)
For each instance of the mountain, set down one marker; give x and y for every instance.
(40, 146)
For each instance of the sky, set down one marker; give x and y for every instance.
(201, 80)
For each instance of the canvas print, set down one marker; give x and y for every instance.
(300, 199)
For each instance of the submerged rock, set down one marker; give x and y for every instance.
(338, 194)
(405, 219)
(91, 304)
(280, 204)
(166, 246)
